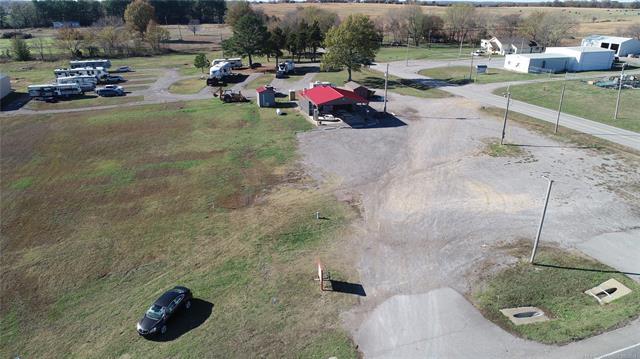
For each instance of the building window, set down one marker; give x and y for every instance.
(604, 45)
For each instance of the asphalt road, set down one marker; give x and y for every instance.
(483, 94)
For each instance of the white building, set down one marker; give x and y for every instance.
(560, 59)
(507, 46)
(622, 46)
(5, 85)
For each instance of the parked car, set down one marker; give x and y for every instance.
(123, 69)
(255, 65)
(110, 91)
(478, 53)
(165, 308)
(113, 79)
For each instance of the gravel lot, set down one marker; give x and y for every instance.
(435, 207)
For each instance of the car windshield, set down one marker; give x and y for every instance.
(155, 312)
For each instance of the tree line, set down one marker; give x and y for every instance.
(42, 13)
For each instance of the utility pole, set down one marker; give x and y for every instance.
(429, 39)
(544, 212)
(564, 85)
(407, 54)
(471, 68)
(386, 80)
(504, 124)
(461, 41)
(615, 115)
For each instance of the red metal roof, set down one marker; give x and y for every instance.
(262, 89)
(322, 95)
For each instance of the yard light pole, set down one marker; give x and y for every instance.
(407, 53)
(471, 68)
(615, 115)
(386, 80)
(544, 212)
(461, 42)
(564, 85)
(506, 114)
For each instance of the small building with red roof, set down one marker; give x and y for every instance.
(266, 96)
(327, 99)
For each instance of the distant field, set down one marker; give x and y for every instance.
(104, 210)
(460, 75)
(608, 21)
(584, 100)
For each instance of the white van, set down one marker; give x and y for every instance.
(86, 82)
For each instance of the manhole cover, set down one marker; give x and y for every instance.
(524, 315)
(527, 314)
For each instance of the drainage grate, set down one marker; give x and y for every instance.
(527, 314)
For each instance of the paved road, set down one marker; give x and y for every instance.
(484, 95)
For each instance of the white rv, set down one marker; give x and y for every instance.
(219, 72)
(86, 83)
(99, 73)
(50, 91)
(90, 63)
(235, 62)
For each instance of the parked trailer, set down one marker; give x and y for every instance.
(285, 68)
(234, 62)
(51, 91)
(218, 73)
(99, 73)
(86, 82)
(90, 63)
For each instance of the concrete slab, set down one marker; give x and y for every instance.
(524, 315)
(620, 250)
(608, 291)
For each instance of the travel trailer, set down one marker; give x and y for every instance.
(235, 62)
(51, 91)
(86, 82)
(218, 72)
(90, 63)
(99, 73)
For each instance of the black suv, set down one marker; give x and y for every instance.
(155, 319)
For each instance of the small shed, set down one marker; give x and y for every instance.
(358, 89)
(5, 86)
(266, 96)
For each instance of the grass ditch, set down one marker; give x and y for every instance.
(375, 79)
(102, 211)
(556, 284)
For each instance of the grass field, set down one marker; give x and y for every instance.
(260, 81)
(102, 211)
(435, 52)
(584, 100)
(460, 75)
(84, 101)
(187, 86)
(375, 79)
(556, 284)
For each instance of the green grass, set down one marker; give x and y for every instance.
(495, 149)
(187, 86)
(85, 101)
(260, 81)
(460, 75)
(560, 293)
(125, 203)
(584, 100)
(436, 52)
(375, 79)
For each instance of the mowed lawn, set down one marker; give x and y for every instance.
(103, 211)
(435, 52)
(187, 86)
(375, 79)
(460, 75)
(584, 100)
(556, 284)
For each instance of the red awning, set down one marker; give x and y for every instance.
(326, 95)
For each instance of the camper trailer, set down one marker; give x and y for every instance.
(86, 82)
(51, 91)
(99, 73)
(90, 63)
(285, 68)
(218, 72)
(235, 62)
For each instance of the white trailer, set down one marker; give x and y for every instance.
(285, 68)
(90, 63)
(219, 72)
(50, 91)
(86, 83)
(235, 62)
(98, 72)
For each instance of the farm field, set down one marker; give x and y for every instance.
(557, 284)
(375, 79)
(103, 211)
(584, 100)
(460, 75)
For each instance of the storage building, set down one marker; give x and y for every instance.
(5, 85)
(622, 46)
(359, 89)
(327, 99)
(560, 59)
(266, 96)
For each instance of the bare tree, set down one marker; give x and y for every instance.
(546, 28)
(507, 25)
(71, 40)
(194, 26)
(460, 20)
(39, 43)
(395, 24)
(632, 31)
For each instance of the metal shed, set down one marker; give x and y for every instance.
(622, 46)
(358, 89)
(326, 99)
(266, 96)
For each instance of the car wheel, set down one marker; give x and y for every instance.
(163, 329)
(187, 304)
